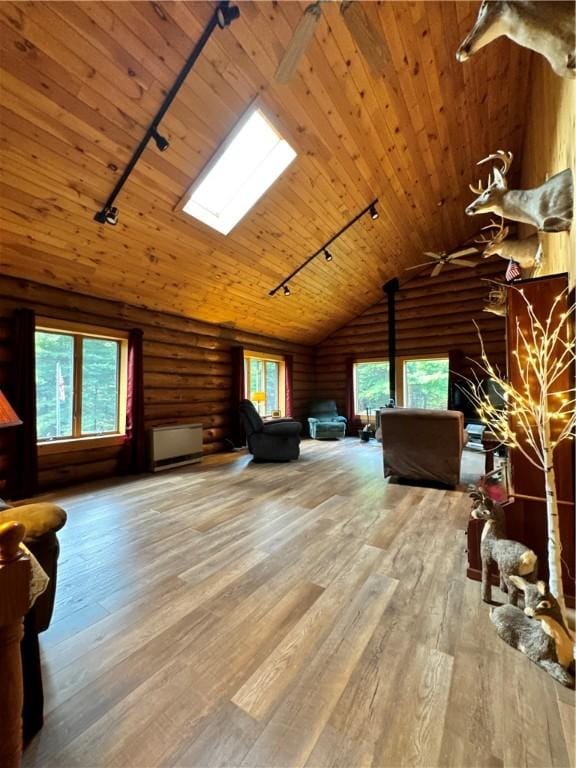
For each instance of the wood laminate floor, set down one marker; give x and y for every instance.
(310, 614)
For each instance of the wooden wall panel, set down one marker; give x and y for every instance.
(432, 317)
(550, 147)
(187, 373)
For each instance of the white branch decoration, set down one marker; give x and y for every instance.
(536, 416)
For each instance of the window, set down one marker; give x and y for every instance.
(264, 381)
(252, 158)
(80, 384)
(425, 383)
(371, 386)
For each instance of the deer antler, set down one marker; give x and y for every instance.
(504, 157)
(478, 189)
(498, 236)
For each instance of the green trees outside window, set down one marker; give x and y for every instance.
(426, 383)
(65, 362)
(371, 386)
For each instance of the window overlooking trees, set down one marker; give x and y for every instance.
(426, 383)
(79, 385)
(264, 380)
(371, 386)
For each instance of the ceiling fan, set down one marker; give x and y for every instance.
(440, 259)
(369, 41)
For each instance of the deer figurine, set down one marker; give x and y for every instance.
(526, 253)
(547, 207)
(496, 301)
(539, 631)
(511, 557)
(544, 27)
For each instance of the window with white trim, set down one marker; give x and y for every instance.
(264, 379)
(248, 163)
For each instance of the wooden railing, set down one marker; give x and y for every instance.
(15, 575)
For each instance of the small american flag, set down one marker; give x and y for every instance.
(60, 383)
(512, 271)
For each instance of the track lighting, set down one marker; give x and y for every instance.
(221, 17)
(107, 215)
(371, 209)
(225, 14)
(161, 142)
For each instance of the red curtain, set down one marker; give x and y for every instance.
(350, 394)
(134, 459)
(237, 435)
(289, 383)
(22, 480)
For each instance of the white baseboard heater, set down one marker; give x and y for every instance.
(174, 446)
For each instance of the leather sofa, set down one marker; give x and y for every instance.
(42, 521)
(276, 440)
(324, 423)
(422, 444)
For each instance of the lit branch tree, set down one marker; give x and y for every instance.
(538, 415)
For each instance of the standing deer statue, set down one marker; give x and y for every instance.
(547, 207)
(511, 557)
(526, 253)
(544, 27)
(539, 631)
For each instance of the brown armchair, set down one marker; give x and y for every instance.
(423, 444)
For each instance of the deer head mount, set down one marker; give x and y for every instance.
(526, 253)
(547, 207)
(496, 302)
(544, 27)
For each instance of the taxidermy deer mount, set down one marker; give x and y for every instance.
(496, 301)
(526, 253)
(544, 27)
(547, 207)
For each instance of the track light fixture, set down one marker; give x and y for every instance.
(324, 249)
(107, 215)
(222, 16)
(161, 142)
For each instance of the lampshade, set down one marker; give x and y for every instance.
(258, 397)
(8, 417)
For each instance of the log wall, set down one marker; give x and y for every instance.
(432, 317)
(187, 371)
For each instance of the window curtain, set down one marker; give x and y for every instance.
(22, 480)
(350, 394)
(289, 383)
(134, 458)
(238, 393)
(458, 366)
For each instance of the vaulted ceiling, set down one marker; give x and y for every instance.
(82, 81)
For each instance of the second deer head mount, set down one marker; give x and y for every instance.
(547, 207)
(544, 27)
(526, 253)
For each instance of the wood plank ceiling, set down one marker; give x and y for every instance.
(82, 81)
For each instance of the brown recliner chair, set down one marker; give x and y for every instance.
(42, 521)
(422, 444)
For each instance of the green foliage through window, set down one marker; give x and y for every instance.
(97, 365)
(371, 386)
(426, 383)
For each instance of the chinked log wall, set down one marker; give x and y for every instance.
(187, 371)
(433, 315)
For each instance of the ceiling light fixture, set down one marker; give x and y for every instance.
(108, 215)
(223, 15)
(161, 142)
(324, 249)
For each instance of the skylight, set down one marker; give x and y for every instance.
(248, 163)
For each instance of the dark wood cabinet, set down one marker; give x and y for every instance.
(526, 515)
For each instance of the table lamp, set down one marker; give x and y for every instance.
(258, 397)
